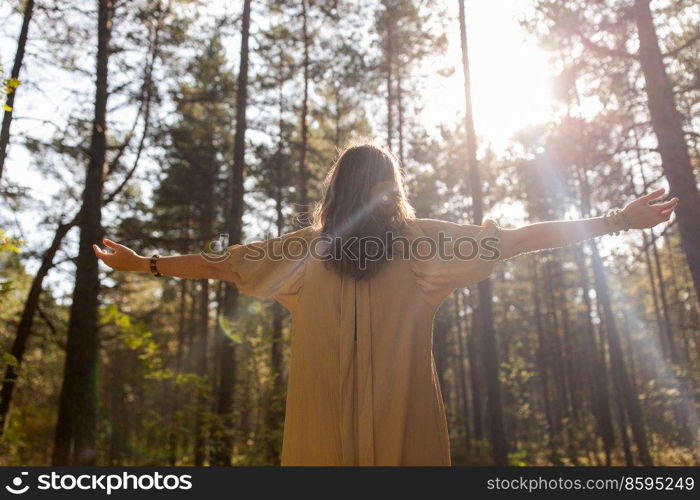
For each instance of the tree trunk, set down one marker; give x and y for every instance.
(174, 391)
(207, 181)
(303, 174)
(274, 415)
(202, 345)
(223, 444)
(475, 377)
(620, 375)
(461, 332)
(668, 127)
(596, 369)
(400, 106)
(16, 67)
(77, 408)
(388, 61)
(543, 355)
(488, 339)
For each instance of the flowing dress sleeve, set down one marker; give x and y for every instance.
(272, 268)
(446, 255)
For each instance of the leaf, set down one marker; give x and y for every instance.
(9, 359)
(8, 244)
(7, 108)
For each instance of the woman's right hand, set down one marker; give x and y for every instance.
(122, 259)
(643, 213)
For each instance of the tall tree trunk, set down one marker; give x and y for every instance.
(223, 444)
(274, 415)
(664, 326)
(461, 332)
(174, 390)
(388, 61)
(24, 328)
(303, 173)
(202, 346)
(338, 117)
(543, 355)
(488, 338)
(620, 375)
(400, 106)
(668, 127)
(206, 181)
(596, 370)
(475, 377)
(77, 408)
(16, 67)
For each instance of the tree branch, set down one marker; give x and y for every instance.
(686, 44)
(602, 50)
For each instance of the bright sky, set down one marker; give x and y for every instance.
(509, 72)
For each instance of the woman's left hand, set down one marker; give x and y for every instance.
(642, 213)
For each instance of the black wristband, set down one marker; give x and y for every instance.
(154, 269)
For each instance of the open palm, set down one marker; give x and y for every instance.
(644, 213)
(121, 259)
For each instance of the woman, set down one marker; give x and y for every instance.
(362, 283)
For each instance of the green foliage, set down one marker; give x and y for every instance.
(7, 245)
(137, 337)
(9, 359)
(9, 85)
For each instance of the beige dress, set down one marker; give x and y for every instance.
(362, 389)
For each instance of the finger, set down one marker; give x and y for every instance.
(111, 244)
(666, 205)
(668, 211)
(101, 254)
(657, 193)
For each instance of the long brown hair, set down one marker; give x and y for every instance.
(364, 197)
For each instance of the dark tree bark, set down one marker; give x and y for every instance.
(461, 332)
(620, 374)
(400, 106)
(174, 392)
(668, 127)
(303, 172)
(475, 378)
(389, 67)
(77, 409)
(16, 67)
(544, 354)
(202, 346)
(206, 182)
(488, 338)
(274, 416)
(275, 404)
(596, 370)
(223, 444)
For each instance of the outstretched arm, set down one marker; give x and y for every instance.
(193, 266)
(642, 213)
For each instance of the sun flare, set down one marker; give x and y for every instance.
(510, 75)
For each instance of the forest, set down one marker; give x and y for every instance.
(168, 125)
